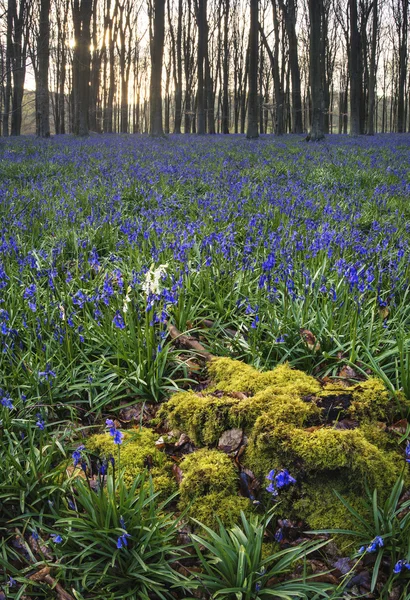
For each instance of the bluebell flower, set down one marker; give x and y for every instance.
(47, 373)
(41, 424)
(278, 481)
(77, 454)
(118, 320)
(373, 546)
(122, 541)
(6, 400)
(115, 433)
(279, 535)
(56, 537)
(400, 566)
(407, 452)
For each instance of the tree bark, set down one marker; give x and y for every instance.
(372, 72)
(202, 42)
(289, 13)
(316, 66)
(252, 129)
(157, 53)
(82, 12)
(43, 51)
(225, 84)
(355, 67)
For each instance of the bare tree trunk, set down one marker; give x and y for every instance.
(225, 84)
(82, 11)
(157, 53)
(372, 73)
(289, 13)
(43, 52)
(355, 67)
(252, 130)
(202, 43)
(402, 21)
(7, 90)
(316, 66)
(17, 20)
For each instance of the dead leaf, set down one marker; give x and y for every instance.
(400, 427)
(310, 339)
(230, 440)
(183, 439)
(384, 312)
(178, 473)
(346, 424)
(347, 372)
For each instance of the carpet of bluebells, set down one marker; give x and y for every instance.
(265, 240)
(267, 251)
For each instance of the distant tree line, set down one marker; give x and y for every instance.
(206, 66)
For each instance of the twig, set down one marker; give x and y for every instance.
(44, 576)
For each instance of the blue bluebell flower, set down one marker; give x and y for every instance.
(118, 320)
(407, 452)
(115, 433)
(400, 566)
(77, 454)
(48, 373)
(41, 424)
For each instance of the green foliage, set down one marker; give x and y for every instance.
(389, 520)
(90, 559)
(233, 566)
(30, 470)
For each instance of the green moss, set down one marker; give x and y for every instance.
(319, 506)
(209, 488)
(205, 472)
(235, 376)
(282, 407)
(204, 417)
(137, 452)
(216, 506)
(372, 401)
(309, 451)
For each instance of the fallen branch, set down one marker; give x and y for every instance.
(43, 576)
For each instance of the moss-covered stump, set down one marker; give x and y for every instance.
(328, 436)
(210, 488)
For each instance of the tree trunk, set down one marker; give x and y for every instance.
(252, 130)
(355, 67)
(225, 84)
(289, 13)
(202, 43)
(372, 72)
(402, 68)
(82, 12)
(43, 52)
(316, 66)
(157, 53)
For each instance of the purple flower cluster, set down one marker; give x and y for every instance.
(400, 566)
(122, 541)
(278, 481)
(115, 433)
(373, 546)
